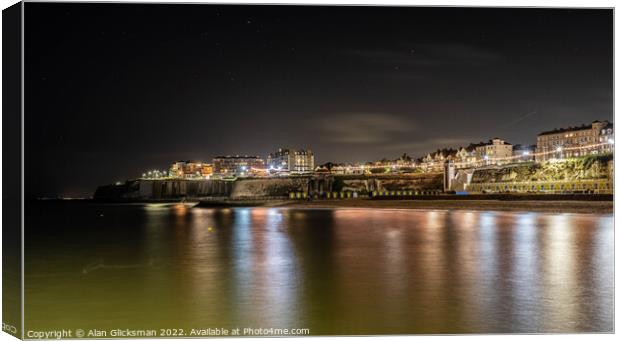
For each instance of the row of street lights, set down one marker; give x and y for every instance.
(154, 174)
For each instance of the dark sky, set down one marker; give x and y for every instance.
(115, 89)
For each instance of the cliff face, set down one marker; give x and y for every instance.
(423, 182)
(585, 168)
(281, 187)
(184, 188)
(273, 187)
(136, 190)
(418, 182)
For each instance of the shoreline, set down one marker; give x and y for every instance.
(511, 205)
(601, 207)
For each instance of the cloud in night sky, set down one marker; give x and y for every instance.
(361, 128)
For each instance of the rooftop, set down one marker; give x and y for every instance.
(237, 157)
(575, 128)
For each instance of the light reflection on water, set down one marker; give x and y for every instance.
(343, 271)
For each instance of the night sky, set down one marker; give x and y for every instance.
(116, 89)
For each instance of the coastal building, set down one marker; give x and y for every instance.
(466, 156)
(238, 165)
(190, 169)
(496, 151)
(594, 138)
(607, 139)
(434, 162)
(291, 160)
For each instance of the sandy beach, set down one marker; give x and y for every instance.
(600, 207)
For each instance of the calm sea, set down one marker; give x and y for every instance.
(333, 271)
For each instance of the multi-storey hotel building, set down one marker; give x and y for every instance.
(237, 165)
(190, 169)
(497, 151)
(568, 142)
(291, 160)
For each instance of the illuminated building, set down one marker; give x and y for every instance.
(291, 160)
(466, 156)
(496, 151)
(569, 142)
(435, 161)
(237, 165)
(190, 169)
(606, 139)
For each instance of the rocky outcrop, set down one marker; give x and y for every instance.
(126, 190)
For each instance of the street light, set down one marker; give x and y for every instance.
(610, 141)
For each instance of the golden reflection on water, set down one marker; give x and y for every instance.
(559, 263)
(344, 271)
